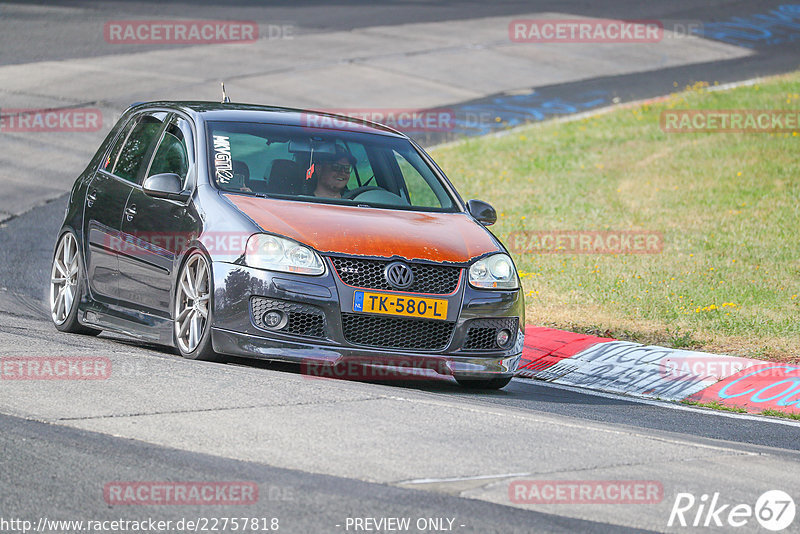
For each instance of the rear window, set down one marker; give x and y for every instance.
(328, 166)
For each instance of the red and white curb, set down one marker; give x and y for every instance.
(614, 366)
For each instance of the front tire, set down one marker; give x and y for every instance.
(484, 383)
(193, 310)
(67, 287)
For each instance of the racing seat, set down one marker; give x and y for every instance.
(284, 178)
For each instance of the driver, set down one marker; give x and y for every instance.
(334, 173)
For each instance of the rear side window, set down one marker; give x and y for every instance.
(139, 140)
(111, 159)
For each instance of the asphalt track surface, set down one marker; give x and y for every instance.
(52, 466)
(302, 502)
(25, 43)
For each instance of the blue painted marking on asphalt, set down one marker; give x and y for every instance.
(481, 118)
(778, 26)
(358, 301)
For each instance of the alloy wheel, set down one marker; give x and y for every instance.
(191, 303)
(64, 279)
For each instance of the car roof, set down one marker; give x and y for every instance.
(217, 111)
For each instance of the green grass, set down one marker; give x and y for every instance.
(728, 206)
(778, 413)
(715, 405)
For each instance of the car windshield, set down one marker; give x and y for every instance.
(318, 165)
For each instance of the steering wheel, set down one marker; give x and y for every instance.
(353, 193)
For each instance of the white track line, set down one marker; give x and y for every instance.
(460, 479)
(664, 404)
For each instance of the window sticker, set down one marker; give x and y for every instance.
(222, 159)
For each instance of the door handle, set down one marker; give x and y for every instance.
(130, 212)
(91, 197)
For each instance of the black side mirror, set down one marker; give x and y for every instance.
(483, 212)
(165, 185)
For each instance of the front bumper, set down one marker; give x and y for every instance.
(235, 330)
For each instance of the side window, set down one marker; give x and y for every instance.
(111, 159)
(141, 137)
(419, 191)
(172, 154)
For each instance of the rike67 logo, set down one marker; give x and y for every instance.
(774, 510)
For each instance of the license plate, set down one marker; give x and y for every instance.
(399, 305)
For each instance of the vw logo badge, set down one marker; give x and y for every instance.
(399, 275)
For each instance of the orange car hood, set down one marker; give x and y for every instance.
(441, 237)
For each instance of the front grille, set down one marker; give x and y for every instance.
(392, 333)
(434, 279)
(482, 333)
(303, 320)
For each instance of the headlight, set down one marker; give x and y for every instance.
(278, 254)
(494, 272)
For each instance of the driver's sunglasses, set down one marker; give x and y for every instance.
(338, 167)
